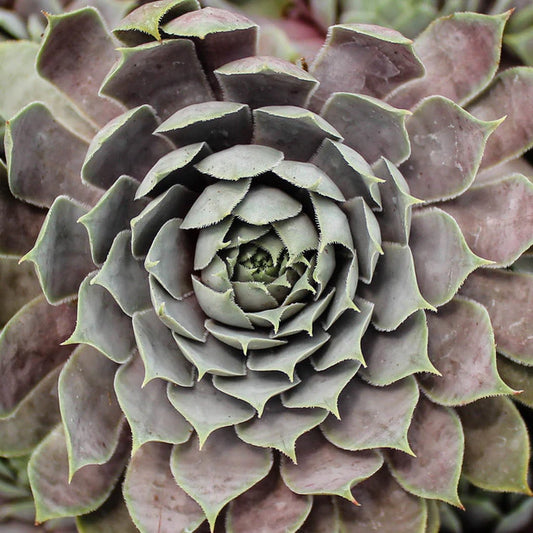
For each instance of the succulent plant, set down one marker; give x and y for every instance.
(271, 296)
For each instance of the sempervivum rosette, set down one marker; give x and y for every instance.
(260, 268)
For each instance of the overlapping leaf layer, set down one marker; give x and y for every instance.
(263, 269)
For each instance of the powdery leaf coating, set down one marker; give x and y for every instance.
(243, 466)
(496, 446)
(152, 496)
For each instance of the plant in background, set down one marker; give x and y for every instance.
(265, 288)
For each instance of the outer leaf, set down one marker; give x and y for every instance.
(208, 409)
(324, 469)
(436, 169)
(245, 80)
(441, 265)
(61, 253)
(32, 420)
(461, 346)
(140, 79)
(243, 466)
(372, 417)
(507, 296)
(372, 61)
(510, 202)
(385, 507)
(152, 496)
(44, 166)
(54, 495)
(91, 415)
(150, 415)
(112, 517)
(460, 54)
(496, 446)
(507, 96)
(38, 329)
(436, 438)
(374, 129)
(255, 507)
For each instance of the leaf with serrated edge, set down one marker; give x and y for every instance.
(286, 358)
(185, 317)
(283, 127)
(441, 265)
(240, 161)
(175, 202)
(321, 389)
(159, 352)
(154, 500)
(519, 377)
(279, 427)
(111, 215)
(346, 335)
(373, 417)
(144, 22)
(208, 409)
(61, 253)
(350, 172)
(124, 276)
(385, 507)
(243, 340)
(325, 469)
(255, 507)
(241, 468)
(149, 413)
(91, 415)
(397, 354)
(102, 324)
(215, 203)
(209, 242)
(436, 438)
(37, 329)
(256, 388)
(212, 356)
(508, 298)
(244, 80)
(170, 258)
(461, 346)
(496, 446)
(54, 495)
(374, 129)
